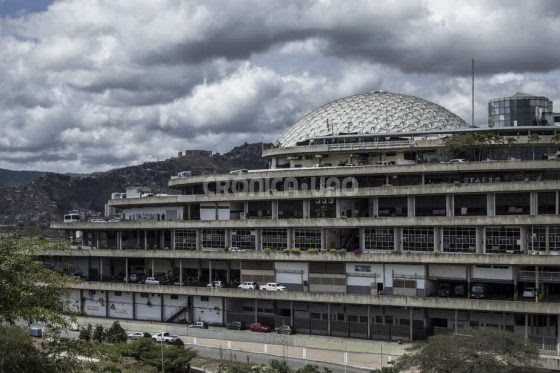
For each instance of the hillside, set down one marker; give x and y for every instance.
(17, 178)
(49, 196)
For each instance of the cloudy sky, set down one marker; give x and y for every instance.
(89, 85)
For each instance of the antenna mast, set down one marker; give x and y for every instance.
(472, 94)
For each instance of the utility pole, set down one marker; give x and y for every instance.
(472, 94)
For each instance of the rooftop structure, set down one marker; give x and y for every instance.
(405, 228)
(521, 109)
(372, 113)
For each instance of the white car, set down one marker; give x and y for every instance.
(458, 160)
(136, 335)
(273, 286)
(151, 281)
(235, 249)
(529, 293)
(215, 284)
(96, 220)
(165, 338)
(249, 285)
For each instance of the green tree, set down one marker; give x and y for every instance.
(278, 366)
(116, 333)
(98, 333)
(483, 350)
(29, 291)
(176, 359)
(86, 333)
(20, 355)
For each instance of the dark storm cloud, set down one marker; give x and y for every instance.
(91, 85)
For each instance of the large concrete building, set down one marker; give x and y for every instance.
(365, 214)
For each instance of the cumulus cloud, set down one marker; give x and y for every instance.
(90, 85)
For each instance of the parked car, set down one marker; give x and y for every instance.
(215, 284)
(284, 329)
(97, 220)
(459, 291)
(444, 290)
(133, 278)
(273, 286)
(151, 281)
(235, 249)
(479, 291)
(529, 292)
(457, 161)
(198, 325)
(235, 325)
(258, 327)
(165, 338)
(249, 285)
(136, 335)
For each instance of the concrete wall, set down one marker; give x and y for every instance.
(120, 306)
(447, 271)
(71, 301)
(207, 309)
(493, 272)
(170, 212)
(148, 306)
(292, 275)
(94, 304)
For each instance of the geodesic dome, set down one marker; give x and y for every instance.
(371, 113)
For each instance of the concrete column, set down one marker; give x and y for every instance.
(82, 301)
(362, 238)
(162, 239)
(153, 268)
(256, 310)
(479, 240)
(145, 239)
(227, 234)
(368, 322)
(198, 239)
(125, 269)
(258, 239)
(526, 327)
(328, 319)
(398, 239)
(162, 308)
(411, 206)
(338, 208)
(537, 287)
(228, 271)
(100, 269)
(323, 238)
(274, 209)
(290, 241)
(306, 209)
(180, 272)
(245, 209)
(456, 321)
(449, 205)
(209, 271)
(438, 232)
(515, 269)
(533, 203)
(133, 306)
(491, 204)
(172, 239)
(375, 207)
(526, 243)
(547, 240)
(199, 269)
(411, 330)
(292, 314)
(97, 239)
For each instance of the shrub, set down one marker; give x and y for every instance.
(324, 250)
(147, 335)
(286, 251)
(98, 333)
(179, 342)
(85, 333)
(313, 251)
(333, 251)
(341, 251)
(295, 250)
(267, 251)
(116, 334)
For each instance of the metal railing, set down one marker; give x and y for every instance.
(543, 276)
(372, 145)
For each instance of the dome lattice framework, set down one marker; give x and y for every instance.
(371, 113)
